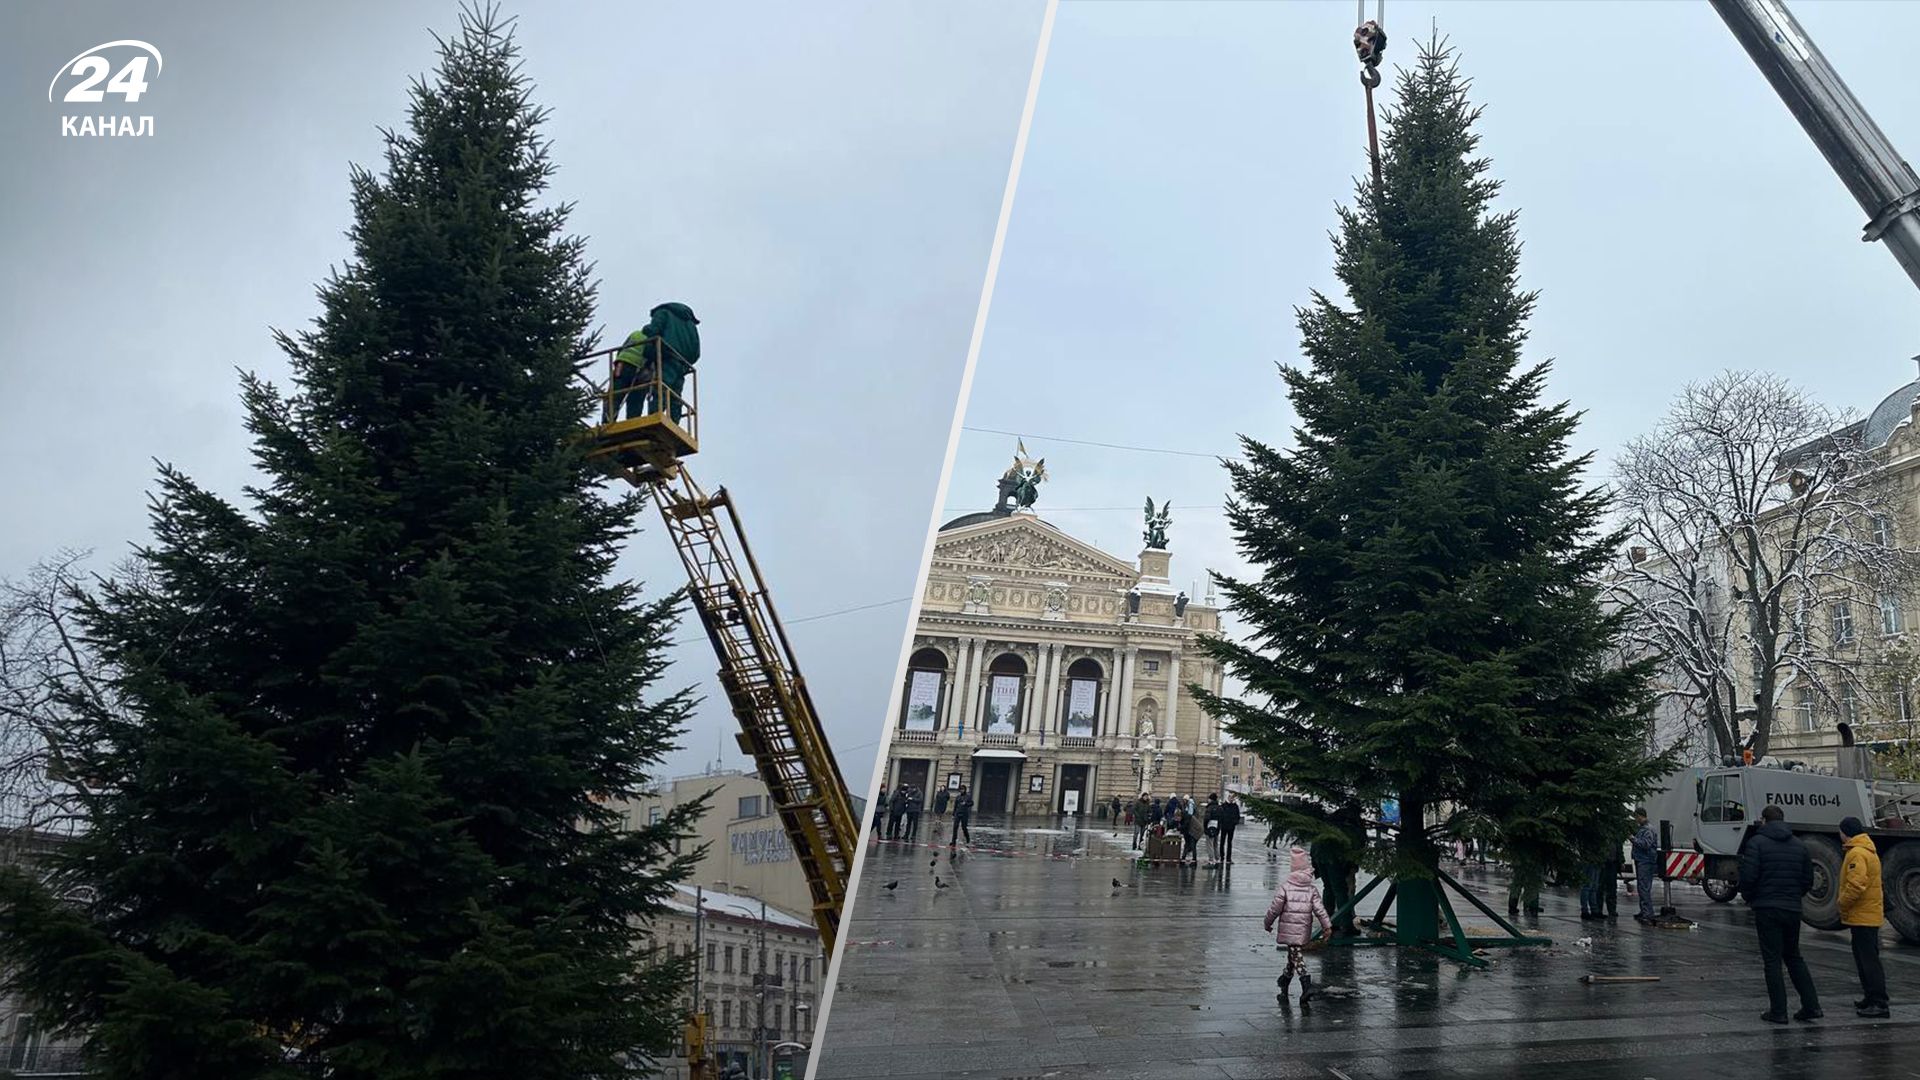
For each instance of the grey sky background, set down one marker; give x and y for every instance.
(1179, 187)
(819, 183)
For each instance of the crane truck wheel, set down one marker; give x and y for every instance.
(1720, 892)
(1820, 908)
(1900, 882)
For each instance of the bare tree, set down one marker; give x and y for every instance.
(1762, 541)
(45, 668)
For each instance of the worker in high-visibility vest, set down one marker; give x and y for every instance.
(631, 371)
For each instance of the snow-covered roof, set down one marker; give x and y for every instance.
(734, 906)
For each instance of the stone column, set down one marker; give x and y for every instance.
(1107, 725)
(1126, 686)
(967, 713)
(956, 683)
(1173, 695)
(1055, 652)
(957, 692)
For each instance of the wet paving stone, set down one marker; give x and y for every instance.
(1031, 964)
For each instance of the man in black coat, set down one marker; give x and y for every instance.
(915, 799)
(1229, 821)
(895, 811)
(1775, 872)
(962, 816)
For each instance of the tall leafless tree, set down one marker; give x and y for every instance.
(1763, 539)
(45, 670)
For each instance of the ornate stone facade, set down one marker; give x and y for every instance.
(1031, 682)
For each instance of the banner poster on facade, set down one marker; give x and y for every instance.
(923, 700)
(1080, 697)
(1002, 704)
(1072, 803)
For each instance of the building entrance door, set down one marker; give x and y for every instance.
(1074, 778)
(996, 786)
(914, 773)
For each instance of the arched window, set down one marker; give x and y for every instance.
(1006, 677)
(920, 700)
(1080, 717)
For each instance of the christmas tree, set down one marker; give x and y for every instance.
(1426, 624)
(348, 779)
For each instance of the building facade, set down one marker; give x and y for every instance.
(1050, 676)
(758, 973)
(747, 849)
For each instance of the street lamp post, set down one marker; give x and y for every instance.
(1146, 768)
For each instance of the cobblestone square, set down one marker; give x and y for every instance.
(1031, 964)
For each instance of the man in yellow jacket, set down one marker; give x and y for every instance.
(1861, 912)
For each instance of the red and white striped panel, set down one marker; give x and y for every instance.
(1685, 864)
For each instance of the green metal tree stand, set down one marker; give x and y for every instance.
(1457, 945)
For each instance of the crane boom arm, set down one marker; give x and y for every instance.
(1881, 181)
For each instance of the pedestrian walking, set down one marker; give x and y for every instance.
(962, 816)
(1113, 807)
(880, 812)
(1210, 820)
(1229, 821)
(1646, 861)
(940, 800)
(1862, 910)
(1142, 811)
(1775, 872)
(1296, 907)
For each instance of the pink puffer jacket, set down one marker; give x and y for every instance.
(1297, 906)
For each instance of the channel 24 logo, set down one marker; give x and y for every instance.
(116, 69)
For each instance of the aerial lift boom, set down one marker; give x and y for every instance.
(779, 727)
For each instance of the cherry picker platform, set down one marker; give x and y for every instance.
(648, 424)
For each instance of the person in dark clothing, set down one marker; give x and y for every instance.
(962, 816)
(880, 812)
(1646, 858)
(940, 800)
(1113, 808)
(1158, 810)
(1336, 861)
(1775, 872)
(1229, 821)
(1142, 811)
(915, 797)
(896, 810)
(1190, 834)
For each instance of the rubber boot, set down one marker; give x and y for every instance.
(1306, 989)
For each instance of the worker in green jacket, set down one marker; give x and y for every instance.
(673, 326)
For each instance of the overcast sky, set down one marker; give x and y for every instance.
(1180, 183)
(820, 184)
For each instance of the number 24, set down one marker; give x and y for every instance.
(130, 82)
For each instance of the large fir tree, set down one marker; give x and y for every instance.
(1427, 622)
(348, 777)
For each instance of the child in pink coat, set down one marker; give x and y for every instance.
(1291, 917)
